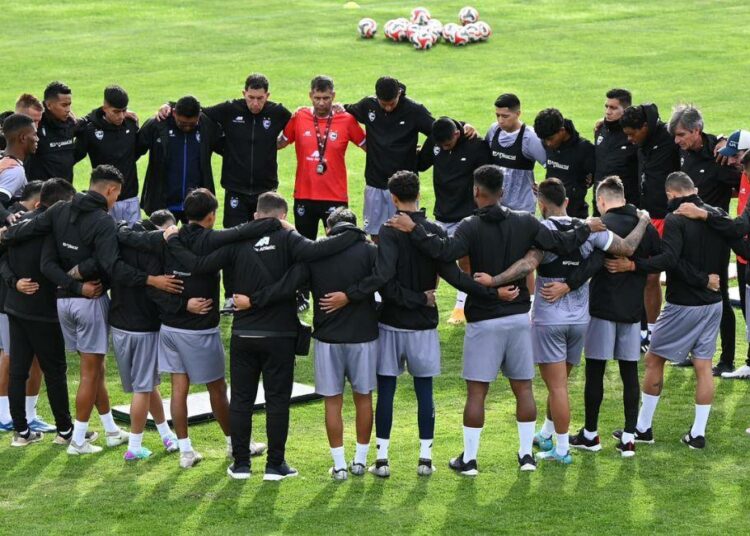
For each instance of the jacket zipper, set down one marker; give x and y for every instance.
(252, 154)
(184, 169)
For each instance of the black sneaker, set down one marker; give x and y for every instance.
(303, 304)
(687, 362)
(698, 442)
(640, 437)
(580, 441)
(721, 368)
(527, 463)
(239, 472)
(465, 468)
(279, 472)
(627, 450)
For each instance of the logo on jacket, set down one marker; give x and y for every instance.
(197, 136)
(238, 119)
(234, 202)
(371, 116)
(264, 244)
(301, 209)
(599, 140)
(436, 150)
(333, 136)
(266, 123)
(44, 131)
(99, 134)
(682, 161)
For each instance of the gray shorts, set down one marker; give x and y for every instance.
(4, 333)
(197, 353)
(84, 324)
(553, 344)
(681, 330)
(128, 210)
(606, 340)
(137, 359)
(379, 208)
(418, 350)
(449, 228)
(335, 363)
(499, 344)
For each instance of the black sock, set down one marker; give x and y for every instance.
(425, 407)
(593, 392)
(384, 406)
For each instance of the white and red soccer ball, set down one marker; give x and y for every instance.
(474, 31)
(395, 30)
(367, 28)
(420, 15)
(485, 29)
(423, 39)
(449, 29)
(460, 37)
(436, 27)
(468, 15)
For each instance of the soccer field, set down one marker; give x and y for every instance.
(562, 54)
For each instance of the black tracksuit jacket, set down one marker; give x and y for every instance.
(55, 153)
(714, 181)
(573, 163)
(615, 155)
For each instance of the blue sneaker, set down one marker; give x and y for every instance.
(38, 425)
(565, 459)
(6, 426)
(543, 443)
(140, 454)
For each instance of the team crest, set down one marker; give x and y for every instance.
(266, 123)
(436, 150)
(300, 210)
(599, 140)
(234, 202)
(371, 116)
(682, 161)
(99, 134)
(197, 136)
(333, 136)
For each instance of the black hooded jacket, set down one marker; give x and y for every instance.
(713, 180)
(55, 153)
(615, 155)
(573, 162)
(658, 156)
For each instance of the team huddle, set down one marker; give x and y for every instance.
(82, 270)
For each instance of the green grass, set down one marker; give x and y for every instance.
(564, 54)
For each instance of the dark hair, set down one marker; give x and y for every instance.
(634, 117)
(27, 100)
(106, 173)
(321, 83)
(15, 123)
(404, 185)
(272, 203)
(54, 190)
(622, 95)
(32, 189)
(745, 160)
(387, 88)
(341, 214)
(508, 100)
(188, 106)
(160, 217)
(548, 122)
(611, 187)
(443, 129)
(55, 89)
(678, 181)
(199, 203)
(256, 81)
(489, 177)
(116, 97)
(553, 190)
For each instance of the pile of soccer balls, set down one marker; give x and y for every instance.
(422, 31)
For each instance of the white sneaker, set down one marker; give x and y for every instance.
(257, 448)
(86, 448)
(189, 459)
(742, 373)
(338, 474)
(115, 439)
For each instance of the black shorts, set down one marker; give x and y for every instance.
(308, 214)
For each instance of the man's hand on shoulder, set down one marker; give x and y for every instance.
(401, 222)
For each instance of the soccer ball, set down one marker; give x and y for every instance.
(395, 30)
(411, 30)
(449, 29)
(460, 37)
(367, 28)
(436, 27)
(420, 15)
(474, 31)
(423, 39)
(467, 15)
(485, 28)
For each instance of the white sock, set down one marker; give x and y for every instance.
(108, 422)
(646, 414)
(460, 300)
(31, 407)
(425, 449)
(339, 458)
(134, 442)
(651, 328)
(471, 443)
(548, 428)
(382, 447)
(525, 437)
(229, 440)
(360, 454)
(701, 418)
(163, 429)
(590, 435)
(627, 438)
(79, 432)
(562, 444)
(4, 409)
(185, 445)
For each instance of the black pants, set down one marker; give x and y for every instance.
(742, 283)
(248, 359)
(45, 340)
(308, 215)
(728, 327)
(238, 208)
(593, 392)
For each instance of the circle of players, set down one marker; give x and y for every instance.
(81, 269)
